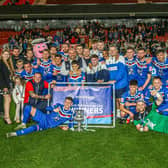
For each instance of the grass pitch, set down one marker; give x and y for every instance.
(121, 147)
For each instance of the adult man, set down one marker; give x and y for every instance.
(144, 69)
(64, 51)
(114, 52)
(28, 72)
(67, 66)
(96, 72)
(29, 56)
(140, 116)
(36, 92)
(86, 55)
(160, 67)
(79, 50)
(158, 93)
(117, 74)
(129, 99)
(59, 115)
(130, 63)
(100, 47)
(53, 51)
(16, 56)
(55, 69)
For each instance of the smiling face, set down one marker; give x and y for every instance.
(67, 104)
(38, 49)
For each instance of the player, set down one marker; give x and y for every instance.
(28, 72)
(158, 93)
(139, 118)
(44, 64)
(76, 74)
(160, 67)
(144, 70)
(59, 115)
(130, 63)
(129, 99)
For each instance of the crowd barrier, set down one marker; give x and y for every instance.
(96, 100)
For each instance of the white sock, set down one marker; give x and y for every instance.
(13, 134)
(118, 113)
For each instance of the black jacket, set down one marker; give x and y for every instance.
(4, 76)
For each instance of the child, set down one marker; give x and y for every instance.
(139, 117)
(76, 75)
(19, 70)
(18, 97)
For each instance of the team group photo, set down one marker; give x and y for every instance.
(80, 87)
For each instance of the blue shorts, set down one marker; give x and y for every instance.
(41, 119)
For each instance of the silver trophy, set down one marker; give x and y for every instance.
(79, 117)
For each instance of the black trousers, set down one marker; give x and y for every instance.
(1, 104)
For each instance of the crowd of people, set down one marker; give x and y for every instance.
(138, 69)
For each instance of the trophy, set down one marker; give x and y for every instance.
(79, 117)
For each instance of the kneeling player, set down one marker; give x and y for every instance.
(59, 115)
(139, 117)
(128, 101)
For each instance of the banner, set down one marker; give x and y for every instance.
(95, 101)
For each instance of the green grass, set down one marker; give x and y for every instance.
(121, 147)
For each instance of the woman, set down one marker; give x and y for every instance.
(6, 73)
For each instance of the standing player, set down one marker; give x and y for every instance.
(76, 74)
(160, 67)
(55, 70)
(59, 115)
(130, 63)
(144, 70)
(44, 64)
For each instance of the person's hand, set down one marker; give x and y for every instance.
(127, 104)
(48, 96)
(70, 73)
(78, 72)
(90, 65)
(35, 66)
(55, 73)
(111, 82)
(53, 83)
(5, 89)
(153, 92)
(38, 62)
(141, 88)
(56, 109)
(65, 128)
(100, 81)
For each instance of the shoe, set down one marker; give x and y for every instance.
(21, 126)
(17, 121)
(7, 121)
(122, 121)
(10, 134)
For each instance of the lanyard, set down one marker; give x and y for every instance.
(142, 119)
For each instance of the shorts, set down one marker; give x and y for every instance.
(120, 92)
(41, 119)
